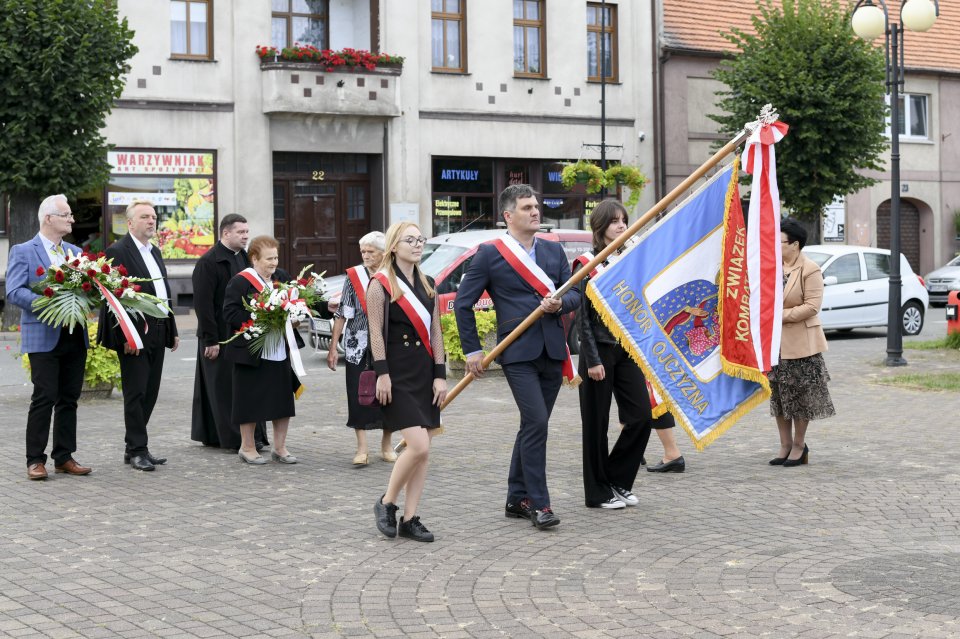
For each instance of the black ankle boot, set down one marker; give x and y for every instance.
(413, 529)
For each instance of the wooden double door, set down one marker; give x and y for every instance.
(320, 223)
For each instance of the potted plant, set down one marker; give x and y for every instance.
(628, 176)
(583, 172)
(354, 59)
(486, 329)
(101, 373)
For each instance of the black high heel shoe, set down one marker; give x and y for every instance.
(801, 460)
(777, 461)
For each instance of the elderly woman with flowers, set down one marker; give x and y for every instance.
(263, 380)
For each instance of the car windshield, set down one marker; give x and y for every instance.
(437, 257)
(818, 258)
(954, 262)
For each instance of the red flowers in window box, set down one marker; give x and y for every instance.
(329, 59)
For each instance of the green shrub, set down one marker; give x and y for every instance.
(102, 364)
(486, 322)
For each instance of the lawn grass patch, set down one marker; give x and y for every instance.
(924, 381)
(950, 342)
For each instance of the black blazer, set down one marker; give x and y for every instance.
(514, 300)
(234, 314)
(210, 277)
(125, 252)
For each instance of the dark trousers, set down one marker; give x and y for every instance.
(141, 376)
(618, 467)
(57, 379)
(535, 385)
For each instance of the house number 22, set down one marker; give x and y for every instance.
(319, 175)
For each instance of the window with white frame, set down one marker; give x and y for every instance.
(914, 116)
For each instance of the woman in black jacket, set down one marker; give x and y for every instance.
(263, 384)
(608, 371)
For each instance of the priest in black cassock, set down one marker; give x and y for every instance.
(213, 389)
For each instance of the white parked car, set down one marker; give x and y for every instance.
(943, 280)
(857, 286)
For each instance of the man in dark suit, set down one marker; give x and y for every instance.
(533, 364)
(213, 387)
(57, 355)
(140, 369)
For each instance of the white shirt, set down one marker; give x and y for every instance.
(154, 269)
(55, 258)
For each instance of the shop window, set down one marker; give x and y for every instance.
(601, 27)
(300, 21)
(529, 39)
(191, 29)
(181, 187)
(462, 175)
(448, 35)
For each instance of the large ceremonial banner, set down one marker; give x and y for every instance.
(679, 297)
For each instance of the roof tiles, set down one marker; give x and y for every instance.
(697, 25)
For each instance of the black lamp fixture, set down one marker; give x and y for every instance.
(870, 21)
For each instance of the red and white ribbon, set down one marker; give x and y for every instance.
(531, 273)
(764, 257)
(412, 307)
(360, 279)
(126, 324)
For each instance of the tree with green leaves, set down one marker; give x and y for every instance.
(826, 83)
(61, 68)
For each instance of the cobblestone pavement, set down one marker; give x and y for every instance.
(862, 542)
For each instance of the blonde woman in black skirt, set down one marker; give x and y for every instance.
(798, 384)
(402, 305)
(263, 384)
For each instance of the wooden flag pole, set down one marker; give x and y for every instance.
(632, 230)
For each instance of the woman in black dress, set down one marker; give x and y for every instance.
(351, 321)
(402, 305)
(263, 384)
(608, 371)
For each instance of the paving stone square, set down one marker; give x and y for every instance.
(862, 542)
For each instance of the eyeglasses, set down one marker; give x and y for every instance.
(415, 241)
(67, 214)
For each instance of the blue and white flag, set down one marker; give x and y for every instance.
(663, 299)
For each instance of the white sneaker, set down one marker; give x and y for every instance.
(625, 496)
(613, 503)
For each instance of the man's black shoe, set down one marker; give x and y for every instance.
(544, 518)
(677, 465)
(156, 461)
(261, 446)
(413, 529)
(521, 510)
(141, 462)
(386, 518)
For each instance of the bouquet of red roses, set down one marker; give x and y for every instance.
(72, 291)
(276, 307)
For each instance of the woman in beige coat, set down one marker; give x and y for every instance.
(798, 383)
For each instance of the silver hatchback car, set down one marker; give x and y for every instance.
(943, 280)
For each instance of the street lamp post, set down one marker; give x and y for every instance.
(869, 21)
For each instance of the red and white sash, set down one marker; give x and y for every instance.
(253, 277)
(583, 259)
(360, 279)
(126, 324)
(531, 273)
(412, 307)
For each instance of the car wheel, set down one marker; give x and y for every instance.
(911, 318)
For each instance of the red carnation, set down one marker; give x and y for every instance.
(101, 254)
(136, 288)
(105, 269)
(59, 277)
(118, 292)
(40, 271)
(91, 272)
(48, 292)
(276, 285)
(75, 263)
(124, 283)
(86, 286)
(122, 270)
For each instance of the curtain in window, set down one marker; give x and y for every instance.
(436, 44)
(198, 28)
(178, 28)
(918, 115)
